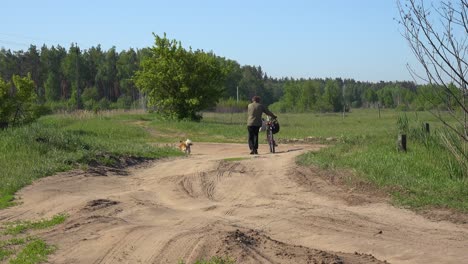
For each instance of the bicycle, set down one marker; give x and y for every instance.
(270, 130)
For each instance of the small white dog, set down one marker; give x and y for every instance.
(185, 146)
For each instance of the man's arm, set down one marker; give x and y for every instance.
(266, 111)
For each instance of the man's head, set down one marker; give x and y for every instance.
(256, 99)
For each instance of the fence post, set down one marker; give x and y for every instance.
(427, 128)
(402, 142)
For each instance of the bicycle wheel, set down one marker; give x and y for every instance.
(271, 141)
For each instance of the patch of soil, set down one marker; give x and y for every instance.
(252, 246)
(114, 165)
(99, 204)
(442, 214)
(356, 191)
(353, 190)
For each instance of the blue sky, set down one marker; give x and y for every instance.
(356, 39)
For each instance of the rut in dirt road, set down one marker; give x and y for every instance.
(255, 209)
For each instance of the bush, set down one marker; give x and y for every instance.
(18, 103)
(103, 104)
(124, 102)
(90, 93)
(90, 104)
(231, 106)
(402, 108)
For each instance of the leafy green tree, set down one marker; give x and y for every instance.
(106, 76)
(292, 92)
(92, 59)
(386, 97)
(6, 106)
(51, 60)
(332, 97)
(72, 68)
(31, 63)
(127, 65)
(180, 82)
(17, 105)
(310, 94)
(233, 77)
(371, 96)
(9, 64)
(252, 83)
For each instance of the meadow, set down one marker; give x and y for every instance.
(363, 143)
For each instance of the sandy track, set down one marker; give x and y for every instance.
(261, 209)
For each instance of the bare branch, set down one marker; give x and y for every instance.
(441, 51)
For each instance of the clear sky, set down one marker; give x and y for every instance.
(356, 39)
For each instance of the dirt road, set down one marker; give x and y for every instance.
(259, 209)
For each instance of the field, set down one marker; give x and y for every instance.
(423, 177)
(328, 184)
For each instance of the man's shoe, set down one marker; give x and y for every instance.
(252, 152)
(255, 152)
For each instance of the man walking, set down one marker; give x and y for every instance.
(254, 122)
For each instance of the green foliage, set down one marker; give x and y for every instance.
(124, 102)
(457, 163)
(5, 246)
(15, 228)
(178, 82)
(332, 96)
(35, 251)
(23, 247)
(403, 124)
(214, 260)
(67, 79)
(18, 103)
(231, 106)
(311, 95)
(90, 93)
(6, 104)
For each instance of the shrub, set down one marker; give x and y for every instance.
(18, 102)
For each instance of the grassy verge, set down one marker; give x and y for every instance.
(60, 143)
(423, 177)
(17, 246)
(213, 260)
(15, 228)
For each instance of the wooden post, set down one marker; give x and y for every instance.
(378, 106)
(402, 142)
(427, 128)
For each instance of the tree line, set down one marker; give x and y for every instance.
(92, 79)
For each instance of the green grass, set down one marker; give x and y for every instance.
(35, 251)
(7, 247)
(15, 228)
(216, 127)
(59, 143)
(214, 260)
(19, 247)
(422, 177)
(235, 159)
